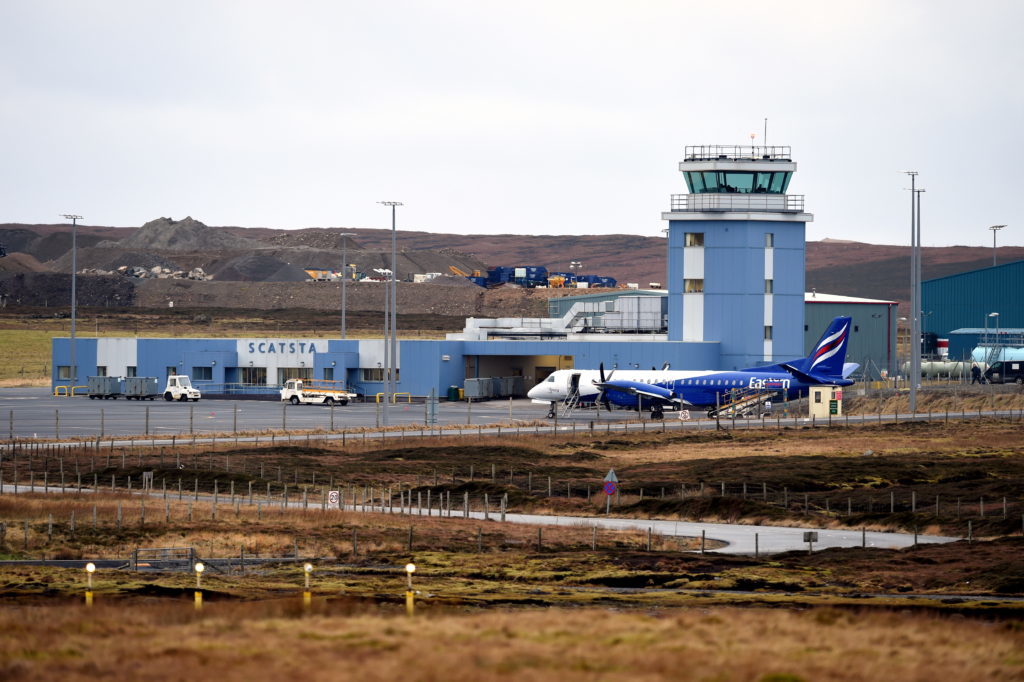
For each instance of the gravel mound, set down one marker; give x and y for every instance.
(105, 258)
(167, 234)
(21, 262)
(256, 267)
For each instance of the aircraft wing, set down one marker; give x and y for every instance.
(849, 368)
(640, 388)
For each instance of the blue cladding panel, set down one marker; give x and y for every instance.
(85, 358)
(964, 300)
(734, 287)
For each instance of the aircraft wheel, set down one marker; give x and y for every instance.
(551, 414)
(657, 414)
(711, 414)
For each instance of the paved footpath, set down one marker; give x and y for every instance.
(738, 538)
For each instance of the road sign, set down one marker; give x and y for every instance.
(611, 476)
(609, 488)
(333, 499)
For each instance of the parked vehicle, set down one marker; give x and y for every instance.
(141, 388)
(315, 392)
(103, 388)
(180, 388)
(1010, 372)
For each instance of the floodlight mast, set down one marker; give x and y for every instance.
(73, 374)
(391, 325)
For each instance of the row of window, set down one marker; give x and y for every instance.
(738, 182)
(255, 376)
(697, 239)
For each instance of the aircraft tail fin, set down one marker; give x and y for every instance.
(829, 355)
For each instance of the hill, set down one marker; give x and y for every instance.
(234, 253)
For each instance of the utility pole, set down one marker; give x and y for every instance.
(74, 294)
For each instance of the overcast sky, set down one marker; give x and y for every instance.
(547, 117)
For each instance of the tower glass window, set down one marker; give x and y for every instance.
(769, 240)
(738, 182)
(694, 239)
(693, 286)
(769, 286)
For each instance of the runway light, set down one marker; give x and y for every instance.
(90, 568)
(409, 570)
(199, 568)
(308, 568)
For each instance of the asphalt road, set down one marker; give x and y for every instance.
(738, 538)
(34, 413)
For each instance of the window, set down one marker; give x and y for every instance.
(286, 373)
(817, 396)
(767, 332)
(694, 239)
(171, 370)
(254, 375)
(738, 182)
(693, 286)
(101, 371)
(609, 306)
(202, 373)
(856, 328)
(769, 286)
(769, 240)
(63, 371)
(377, 374)
(328, 374)
(130, 371)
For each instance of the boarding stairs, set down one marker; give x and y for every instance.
(570, 403)
(741, 403)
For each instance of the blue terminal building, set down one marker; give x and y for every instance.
(735, 299)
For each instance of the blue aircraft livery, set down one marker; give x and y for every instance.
(678, 389)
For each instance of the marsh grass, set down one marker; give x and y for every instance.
(277, 640)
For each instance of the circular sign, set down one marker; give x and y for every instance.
(609, 488)
(333, 497)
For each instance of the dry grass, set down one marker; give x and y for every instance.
(274, 641)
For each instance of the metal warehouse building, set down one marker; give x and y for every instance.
(873, 336)
(735, 299)
(968, 300)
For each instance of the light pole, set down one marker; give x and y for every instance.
(995, 229)
(344, 279)
(995, 350)
(393, 367)
(385, 274)
(915, 304)
(74, 299)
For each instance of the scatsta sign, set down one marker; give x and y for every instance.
(282, 347)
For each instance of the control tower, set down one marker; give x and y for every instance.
(736, 254)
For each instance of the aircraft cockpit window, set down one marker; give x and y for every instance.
(551, 378)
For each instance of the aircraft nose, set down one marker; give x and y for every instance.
(533, 392)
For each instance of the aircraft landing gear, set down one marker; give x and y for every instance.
(551, 411)
(657, 413)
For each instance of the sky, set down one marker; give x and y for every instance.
(529, 117)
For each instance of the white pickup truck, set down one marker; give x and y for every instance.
(180, 388)
(315, 392)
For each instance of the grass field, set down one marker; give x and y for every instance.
(338, 639)
(495, 601)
